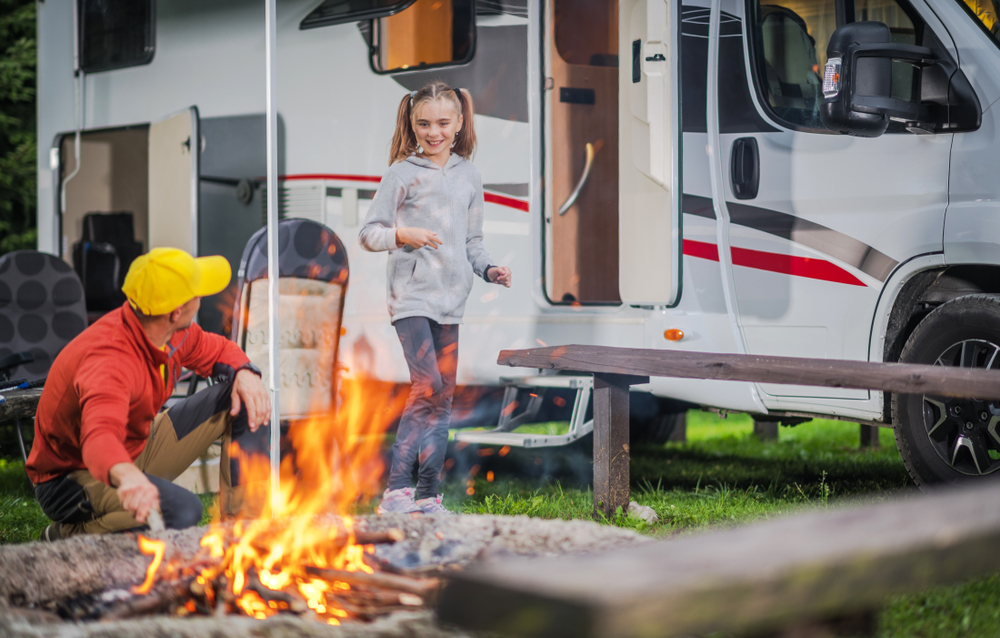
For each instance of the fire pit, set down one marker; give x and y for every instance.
(295, 565)
(97, 582)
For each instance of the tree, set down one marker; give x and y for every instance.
(18, 147)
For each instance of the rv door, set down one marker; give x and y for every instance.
(649, 237)
(173, 181)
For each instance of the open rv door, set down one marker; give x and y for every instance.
(649, 233)
(173, 181)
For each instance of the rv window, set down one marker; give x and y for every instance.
(428, 34)
(791, 38)
(985, 14)
(586, 32)
(341, 11)
(116, 33)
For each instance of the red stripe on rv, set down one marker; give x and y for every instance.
(791, 265)
(492, 198)
(775, 262)
(503, 200)
(701, 249)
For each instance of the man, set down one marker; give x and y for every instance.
(104, 455)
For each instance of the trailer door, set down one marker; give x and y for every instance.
(649, 242)
(173, 181)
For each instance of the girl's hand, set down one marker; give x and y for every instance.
(499, 275)
(417, 238)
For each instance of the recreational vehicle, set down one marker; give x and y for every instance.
(810, 178)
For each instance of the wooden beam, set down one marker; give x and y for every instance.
(19, 404)
(611, 452)
(869, 436)
(743, 580)
(904, 378)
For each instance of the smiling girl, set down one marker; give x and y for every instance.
(428, 213)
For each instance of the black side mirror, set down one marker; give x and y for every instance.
(857, 82)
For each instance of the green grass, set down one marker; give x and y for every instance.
(722, 476)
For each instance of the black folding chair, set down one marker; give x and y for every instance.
(41, 310)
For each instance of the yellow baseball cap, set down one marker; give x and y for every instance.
(164, 279)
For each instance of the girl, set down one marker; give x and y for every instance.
(428, 213)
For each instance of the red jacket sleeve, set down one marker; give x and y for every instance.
(104, 413)
(202, 351)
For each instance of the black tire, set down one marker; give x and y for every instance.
(945, 440)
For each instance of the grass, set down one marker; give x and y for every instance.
(722, 476)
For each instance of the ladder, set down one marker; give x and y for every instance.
(504, 433)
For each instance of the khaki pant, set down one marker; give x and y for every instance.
(178, 437)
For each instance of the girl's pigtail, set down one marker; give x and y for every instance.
(404, 142)
(465, 141)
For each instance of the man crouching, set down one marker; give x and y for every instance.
(104, 455)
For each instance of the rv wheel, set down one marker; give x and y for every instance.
(944, 440)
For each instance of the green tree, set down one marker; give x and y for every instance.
(18, 175)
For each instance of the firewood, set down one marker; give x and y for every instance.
(391, 535)
(426, 588)
(157, 600)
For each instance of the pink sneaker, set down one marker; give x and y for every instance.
(432, 506)
(397, 502)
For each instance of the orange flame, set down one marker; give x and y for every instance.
(337, 464)
(155, 548)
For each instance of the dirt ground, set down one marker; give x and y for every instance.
(36, 573)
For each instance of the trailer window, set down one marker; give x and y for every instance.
(790, 38)
(115, 34)
(341, 11)
(984, 12)
(428, 34)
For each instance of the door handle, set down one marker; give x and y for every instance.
(583, 180)
(744, 168)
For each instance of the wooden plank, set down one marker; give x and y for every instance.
(904, 378)
(611, 453)
(19, 404)
(765, 430)
(744, 579)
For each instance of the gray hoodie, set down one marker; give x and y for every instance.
(416, 192)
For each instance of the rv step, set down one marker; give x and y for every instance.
(513, 439)
(505, 434)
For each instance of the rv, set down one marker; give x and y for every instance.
(809, 178)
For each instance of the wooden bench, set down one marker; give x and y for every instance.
(616, 369)
(784, 573)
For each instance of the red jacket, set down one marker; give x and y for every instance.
(104, 389)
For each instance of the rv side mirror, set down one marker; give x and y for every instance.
(857, 81)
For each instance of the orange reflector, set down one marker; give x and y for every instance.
(673, 334)
(343, 331)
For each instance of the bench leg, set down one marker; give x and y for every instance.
(611, 452)
(766, 430)
(869, 436)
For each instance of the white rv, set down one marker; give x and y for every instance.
(713, 176)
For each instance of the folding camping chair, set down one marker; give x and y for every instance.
(41, 309)
(313, 274)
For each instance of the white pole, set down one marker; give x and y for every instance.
(272, 252)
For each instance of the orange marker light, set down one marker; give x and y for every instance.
(673, 334)
(343, 331)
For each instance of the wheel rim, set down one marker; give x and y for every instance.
(965, 433)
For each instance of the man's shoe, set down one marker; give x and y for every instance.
(432, 506)
(53, 532)
(397, 502)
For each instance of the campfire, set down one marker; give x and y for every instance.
(307, 557)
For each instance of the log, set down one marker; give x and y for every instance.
(19, 404)
(743, 580)
(426, 588)
(903, 378)
(611, 451)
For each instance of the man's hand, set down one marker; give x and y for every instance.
(417, 238)
(499, 275)
(136, 493)
(249, 390)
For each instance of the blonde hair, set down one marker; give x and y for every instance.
(404, 140)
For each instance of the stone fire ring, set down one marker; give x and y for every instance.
(36, 573)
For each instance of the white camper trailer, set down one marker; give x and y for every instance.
(703, 176)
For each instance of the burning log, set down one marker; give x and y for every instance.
(159, 599)
(425, 588)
